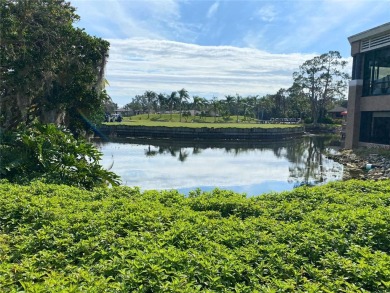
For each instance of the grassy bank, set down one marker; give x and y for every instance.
(195, 122)
(333, 238)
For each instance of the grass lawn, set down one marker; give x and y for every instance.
(195, 122)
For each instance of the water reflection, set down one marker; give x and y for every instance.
(242, 166)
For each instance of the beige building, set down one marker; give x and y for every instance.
(368, 120)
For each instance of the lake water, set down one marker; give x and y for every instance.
(245, 167)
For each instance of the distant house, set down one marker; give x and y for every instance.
(336, 112)
(124, 112)
(368, 119)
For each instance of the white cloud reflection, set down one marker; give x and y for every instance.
(213, 167)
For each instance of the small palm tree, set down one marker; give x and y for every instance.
(151, 98)
(162, 101)
(238, 104)
(230, 100)
(183, 96)
(216, 105)
(171, 101)
(199, 104)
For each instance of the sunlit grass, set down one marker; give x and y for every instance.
(167, 120)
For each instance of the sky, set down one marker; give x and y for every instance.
(217, 48)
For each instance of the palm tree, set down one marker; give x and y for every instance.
(197, 103)
(183, 95)
(204, 104)
(216, 104)
(151, 98)
(245, 105)
(230, 101)
(200, 104)
(238, 104)
(255, 105)
(162, 101)
(171, 100)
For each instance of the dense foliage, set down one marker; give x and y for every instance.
(47, 152)
(320, 81)
(50, 70)
(333, 238)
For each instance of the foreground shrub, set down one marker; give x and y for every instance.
(49, 153)
(333, 238)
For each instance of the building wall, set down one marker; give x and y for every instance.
(353, 116)
(361, 44)
(375, 103)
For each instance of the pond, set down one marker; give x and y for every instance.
(242, 166)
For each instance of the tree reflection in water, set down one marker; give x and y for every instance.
(309, 165)
(306, 156)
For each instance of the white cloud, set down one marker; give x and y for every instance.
(212, 10)
(267, 13)
(137, 65)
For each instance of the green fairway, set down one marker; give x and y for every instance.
(196, 122)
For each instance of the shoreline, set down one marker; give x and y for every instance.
(363, 164)
(232, 133)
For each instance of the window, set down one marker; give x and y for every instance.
(375, 127)
(376, 80)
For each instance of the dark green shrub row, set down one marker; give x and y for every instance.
(334, 238)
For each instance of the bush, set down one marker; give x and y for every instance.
(52, 154)
(326, 120)
(333, 238)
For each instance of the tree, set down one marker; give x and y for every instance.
(50, 70)
(138, 104)
(230, 103)
(199, 105)
(279, 100)
(172, 99)
(197, 102)
(298, 105)
(238, 105)
(216, 104)
(110, 106)
(255, 106)
(249, 106)
(321, 80)
(183, 96)
(162, 102)
(151, 98)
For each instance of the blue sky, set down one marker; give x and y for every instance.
(216, 48)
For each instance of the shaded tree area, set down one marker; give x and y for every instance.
(51, 93)
(50, 70)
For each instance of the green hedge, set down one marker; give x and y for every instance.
(334, 238)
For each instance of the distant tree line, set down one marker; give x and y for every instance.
(318, 85)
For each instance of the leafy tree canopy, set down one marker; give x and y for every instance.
(49, 70)
(320, 80)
